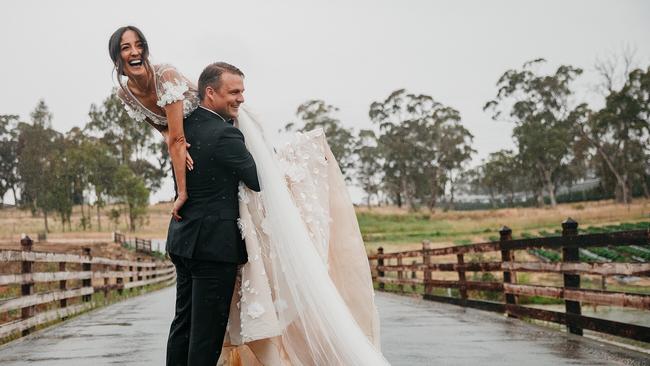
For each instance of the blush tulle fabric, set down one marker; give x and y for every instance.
(305, 297)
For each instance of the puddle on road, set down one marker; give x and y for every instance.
(118, 324)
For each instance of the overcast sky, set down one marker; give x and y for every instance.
(348, 53)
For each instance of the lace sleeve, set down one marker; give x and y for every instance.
(171, 85)
(130, 105)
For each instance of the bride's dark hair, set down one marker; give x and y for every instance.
(114, 50)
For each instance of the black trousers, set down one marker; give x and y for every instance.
(203, 294)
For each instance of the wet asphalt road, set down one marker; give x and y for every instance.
(418, 332)
(414, 332)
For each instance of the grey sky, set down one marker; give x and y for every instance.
(348, 53)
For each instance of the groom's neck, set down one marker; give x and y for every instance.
(211, 109)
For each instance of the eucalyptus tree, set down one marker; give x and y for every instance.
(318, 114)
(620, 134)
(422, 141)
(132, 192)
(37, 148)
(500, 173)
(368, 170)
(9, 178)
(539, 107)
(129, 140)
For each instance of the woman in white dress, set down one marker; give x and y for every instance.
(305, 295)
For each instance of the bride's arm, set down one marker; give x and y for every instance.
(177, 151)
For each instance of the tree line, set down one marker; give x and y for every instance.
(419, 151)
(106, 161)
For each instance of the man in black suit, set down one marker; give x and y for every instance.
(206, 245)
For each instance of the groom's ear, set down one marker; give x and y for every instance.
(209, 91)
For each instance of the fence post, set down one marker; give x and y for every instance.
(106, 279)
(27, 289)
(131, 268)
(88, 282)
(508, 277)
(400, 274)
(462, 280)
(139, 269)
(413, 276)
(572, 281)
(426, 260)
(155, 269)
(380, 263)
(119, 281)
(63, 285)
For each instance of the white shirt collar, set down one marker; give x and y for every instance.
(211, 111)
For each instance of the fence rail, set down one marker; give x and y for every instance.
(389, 269)
(96, 275)
(141, 245)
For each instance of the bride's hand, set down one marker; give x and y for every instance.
(180, 201)
(189, 163)
(188, 159)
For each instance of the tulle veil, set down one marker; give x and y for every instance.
(325, 311)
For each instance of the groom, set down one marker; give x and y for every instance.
(206, 245)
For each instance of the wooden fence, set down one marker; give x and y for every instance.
(141, 245)
(391, 273)
(76, 287)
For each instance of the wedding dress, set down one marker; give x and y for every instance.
(305, 296)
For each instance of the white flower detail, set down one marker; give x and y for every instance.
(295, 173)
(172, 92)
(135, 114)
(243, 196)
(242, 227)
(188, 107)
(255, 310)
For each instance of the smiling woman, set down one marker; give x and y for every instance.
(157, 94)
(128, 47)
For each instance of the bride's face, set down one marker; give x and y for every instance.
(131, 52)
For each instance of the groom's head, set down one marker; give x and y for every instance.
(221, 89)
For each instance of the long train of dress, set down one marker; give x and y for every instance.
(305, 295)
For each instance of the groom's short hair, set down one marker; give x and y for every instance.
(211, 76)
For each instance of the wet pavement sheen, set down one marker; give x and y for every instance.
(414, 332)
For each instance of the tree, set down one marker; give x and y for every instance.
(538, 105)
(128, 139)
(455, 148)
(37, 148)
(131, 190)
(499, 175)
(9, 178)
(369, 164)
(41, 116)
(619, 132)
(318, 114)
(422, 142)
(64, 172)
(101, 173)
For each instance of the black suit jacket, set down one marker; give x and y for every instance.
(208, 229)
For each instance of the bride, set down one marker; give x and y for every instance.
(305, 295)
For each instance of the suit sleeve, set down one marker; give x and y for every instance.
(231, 152)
